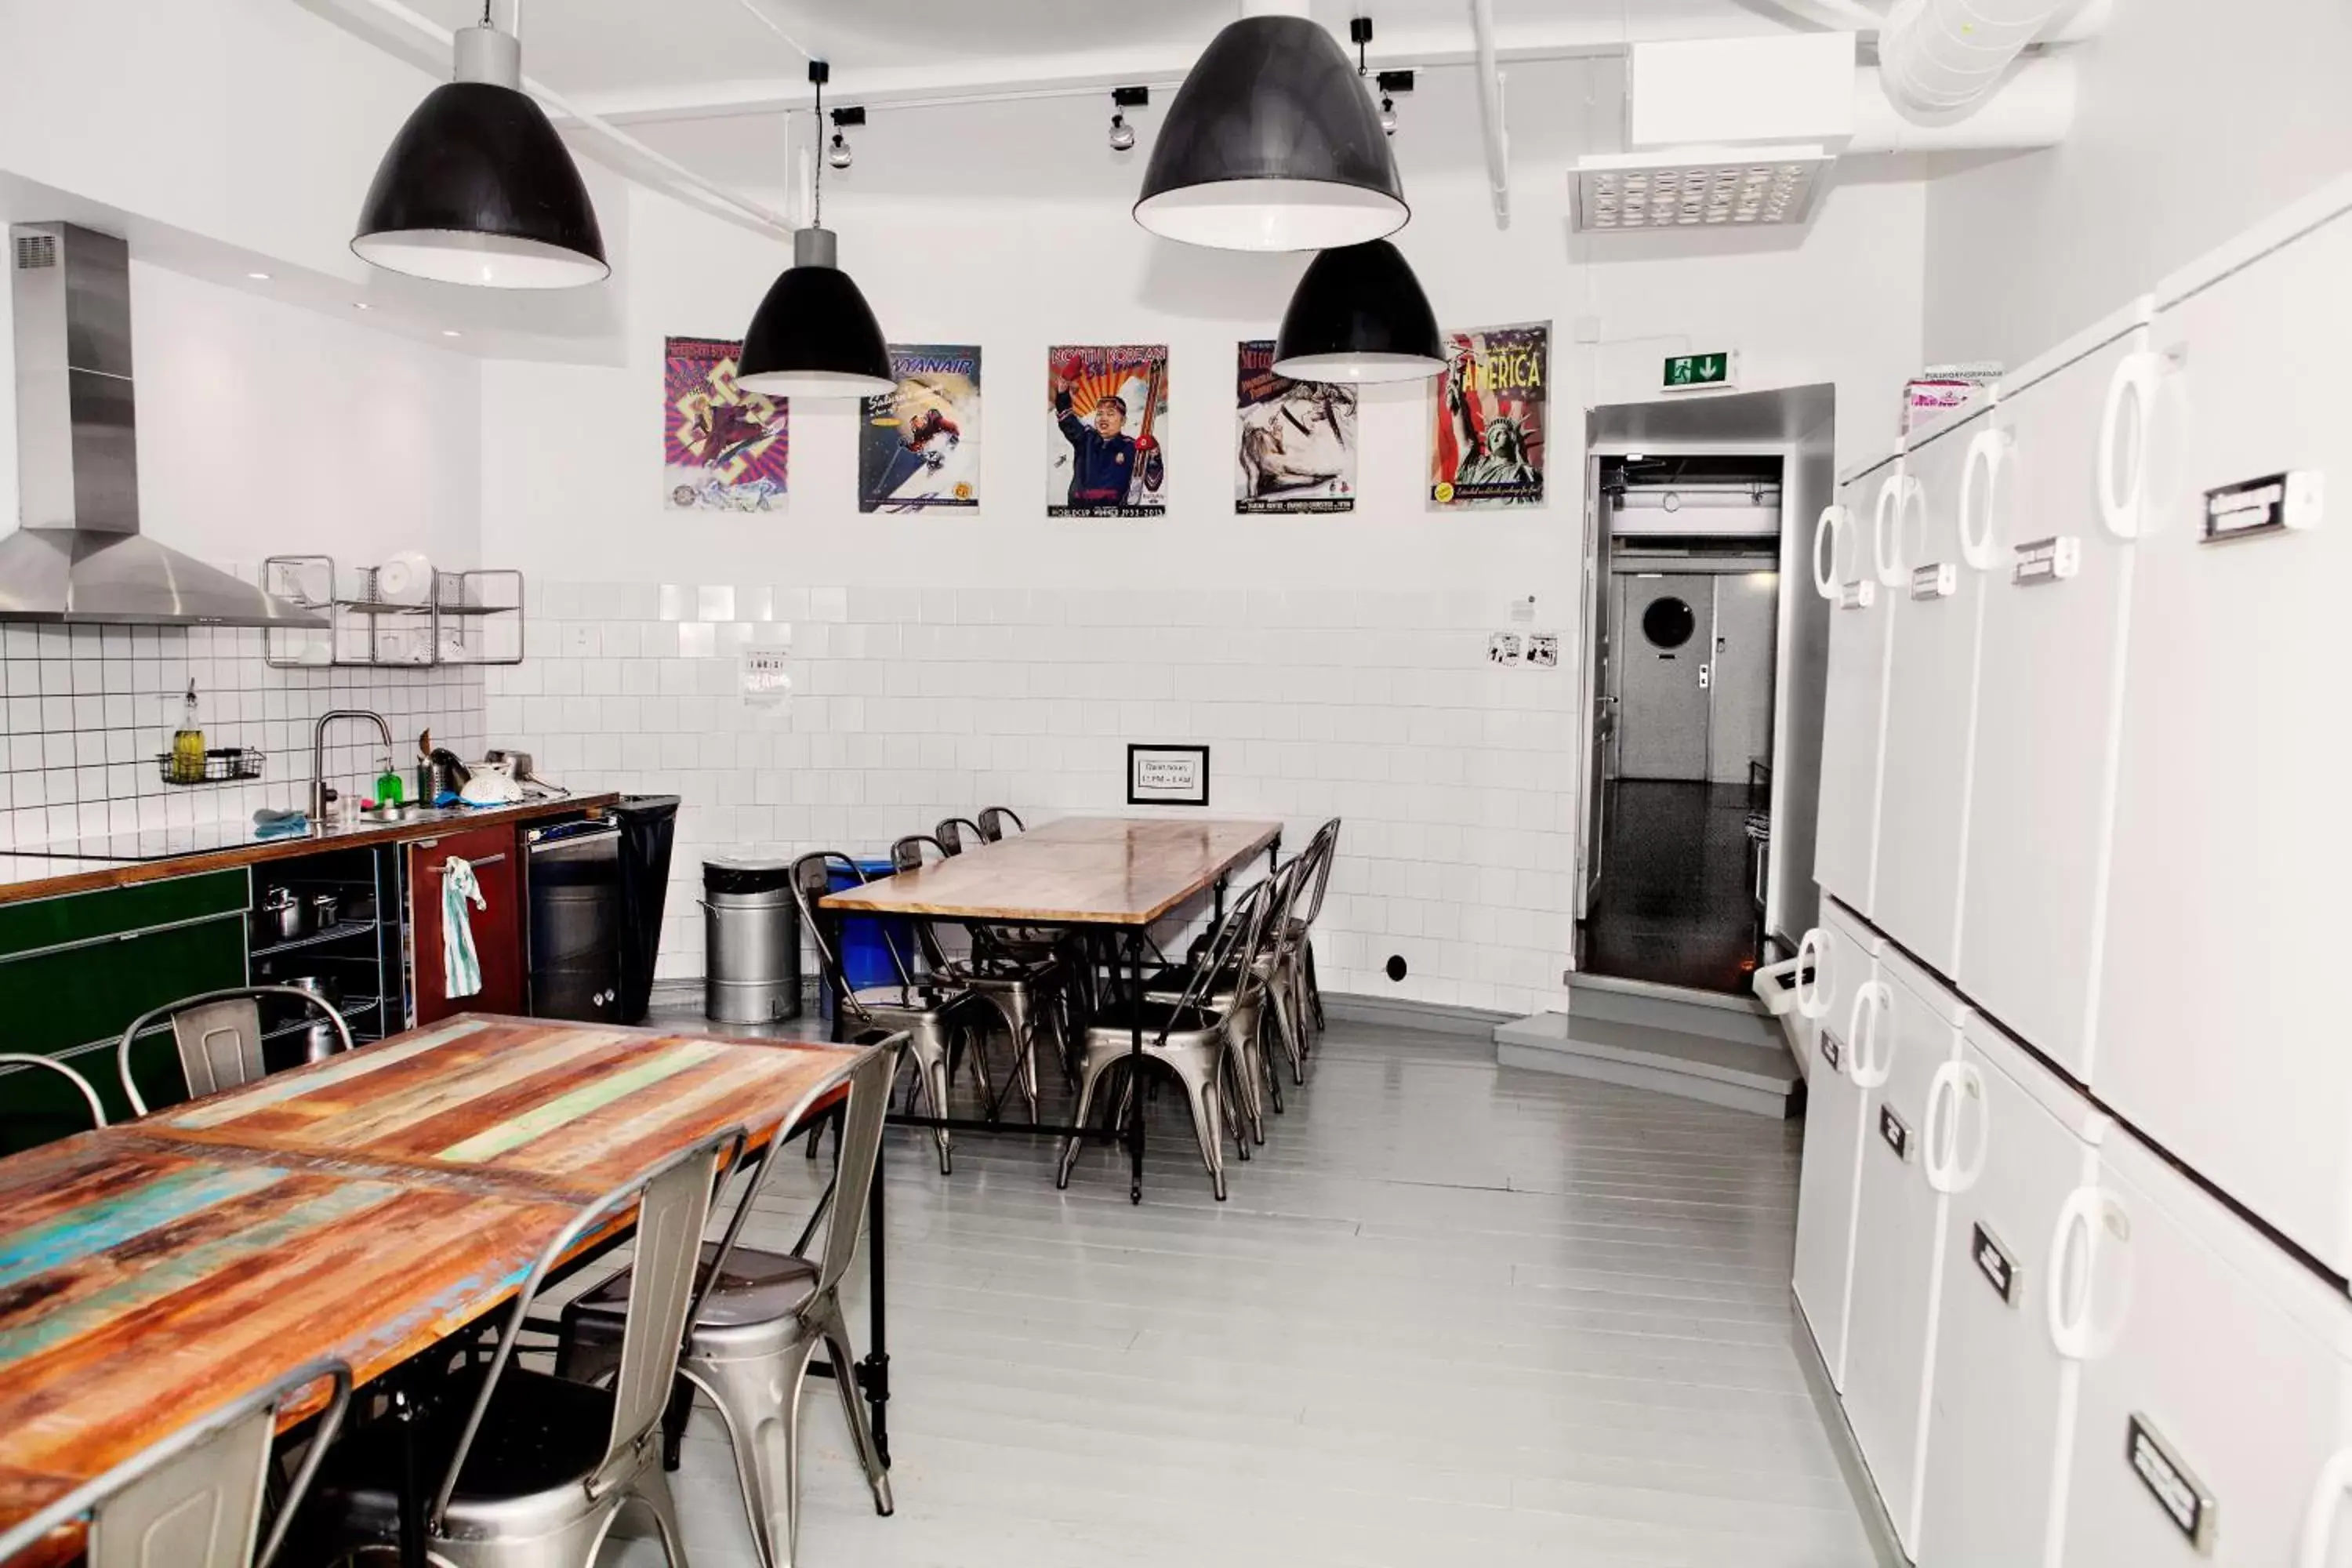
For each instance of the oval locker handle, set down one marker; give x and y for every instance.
(1811, 1003)
(1988, 451)
(2319, 1513)
(1870, 1067)
(2136, 376)
(1893, 496)
(1954, 1085)
(1826, 527)
(2077, 1335)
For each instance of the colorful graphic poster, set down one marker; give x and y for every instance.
(723, 448)
(919, 448)
(1295, 440)
(1109, 407)
(1488, 446)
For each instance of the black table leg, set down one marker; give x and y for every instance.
(1220, 919)
(1135, 1057)
(412, 1484)
(874, 1372)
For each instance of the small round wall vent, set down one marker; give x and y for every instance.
(1396, 966)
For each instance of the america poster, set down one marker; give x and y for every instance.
(723, 448)
(1487, 437)
(1295, 442)
(918, 447)
(1109, 404)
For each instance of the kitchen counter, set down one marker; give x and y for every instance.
(121, 860)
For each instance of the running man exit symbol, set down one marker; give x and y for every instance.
(1684, 371)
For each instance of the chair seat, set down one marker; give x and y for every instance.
(1116, 1023)
(905, 1004)
(540, 1440)
(981, 976)
(756, 1286)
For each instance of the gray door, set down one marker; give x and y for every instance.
(1747, 622)
(1599, 688)
(1663, 669)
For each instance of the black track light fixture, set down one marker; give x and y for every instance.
(1122, 134)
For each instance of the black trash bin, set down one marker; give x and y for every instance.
(648, 830)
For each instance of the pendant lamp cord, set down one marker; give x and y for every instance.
(817, 180)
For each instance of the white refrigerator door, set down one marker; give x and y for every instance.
(1839, 1003)
(2048, 692)
(1931, 696)
(1898, 1239)
(2002, 1406)
(2214, 1393)
(2219, 1014)
(1862, 614)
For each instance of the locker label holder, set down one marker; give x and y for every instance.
(1895, 1130)
(2176, 1489)
(1857, 594)
(1936, 580)
(1995, 1263)
(1831, 1049)
(2275, 503)
(2051, 560)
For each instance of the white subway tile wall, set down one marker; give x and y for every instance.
(88, 709)
(1456, 778)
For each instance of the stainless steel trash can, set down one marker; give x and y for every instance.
(751, 941)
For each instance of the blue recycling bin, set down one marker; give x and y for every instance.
(866, 939)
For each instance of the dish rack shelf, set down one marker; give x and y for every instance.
(458, 617)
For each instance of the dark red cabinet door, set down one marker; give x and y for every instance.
(497, 927)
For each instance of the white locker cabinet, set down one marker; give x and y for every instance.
(2214, 1418)
(2219, 1016)
(1898, 1236)
(1841, 1005)
(1931, 697)
(1862, 617)
(2001, 1407)
(2049, 688)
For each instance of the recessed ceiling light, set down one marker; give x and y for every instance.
(360, 305)
(259, 277)
(451, 332)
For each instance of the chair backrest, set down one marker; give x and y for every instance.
(218, 1036)
(861, 1147)
(1234, 945)
(907, 855)
(995, 819)
(1321, 850)
(958, 834)
(89, 1096)
(673, 1199)
(811, 876)
(193, 1501)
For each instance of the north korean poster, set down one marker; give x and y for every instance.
(1109, 406)
(1295, 449)
(723, 448)
(1488, 436)
(918, 447)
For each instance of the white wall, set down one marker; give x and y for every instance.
(1335, 665)
(2196, 119)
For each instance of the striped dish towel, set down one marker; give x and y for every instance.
(461, 969)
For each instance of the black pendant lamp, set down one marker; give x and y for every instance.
(477, 188)
(1272, 144)
(814, 335)
(1358, 314)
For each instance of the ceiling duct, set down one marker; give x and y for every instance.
(1939, 59)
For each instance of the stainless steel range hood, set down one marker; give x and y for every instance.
(79, 555)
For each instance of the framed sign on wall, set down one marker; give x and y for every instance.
(1167, 776)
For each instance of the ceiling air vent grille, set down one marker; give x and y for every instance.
(1689, 187)
(35, 251)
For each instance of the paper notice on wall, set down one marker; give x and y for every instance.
(761, 679)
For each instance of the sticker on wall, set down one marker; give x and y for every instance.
(918, 447)
(723, 448)
(1109, 404)
(1504, 648)
(1296, 445)
(1486, 446)
(1543, 649)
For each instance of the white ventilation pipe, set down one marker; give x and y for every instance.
(2033, 107)
(1940, 59)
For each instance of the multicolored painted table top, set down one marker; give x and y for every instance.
(363, 1207)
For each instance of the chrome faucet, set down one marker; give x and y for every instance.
(319, 790)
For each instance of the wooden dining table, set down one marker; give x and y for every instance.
(363, 1207)
(1113, 875)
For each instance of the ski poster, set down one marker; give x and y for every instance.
(1110, 409)
(1295, 440)
(1487, 436)
(723, 448)
(918, 447)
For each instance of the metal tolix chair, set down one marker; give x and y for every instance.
(218, 1036)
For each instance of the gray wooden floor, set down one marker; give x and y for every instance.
(1451, 1314)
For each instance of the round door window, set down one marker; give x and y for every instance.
(1668, 623)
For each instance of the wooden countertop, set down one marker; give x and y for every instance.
(1080, 870)
(45, 877)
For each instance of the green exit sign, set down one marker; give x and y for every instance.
(1684, 371)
